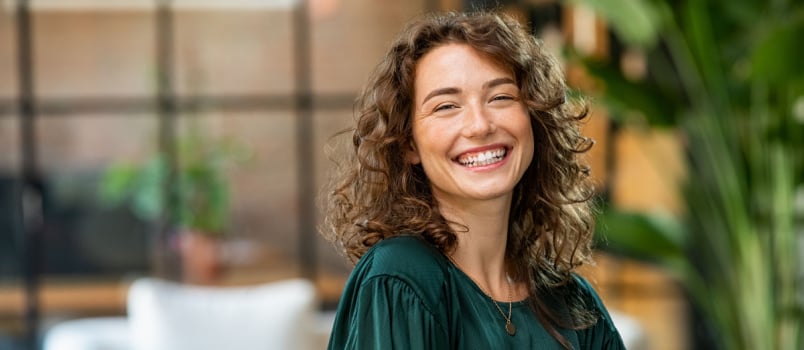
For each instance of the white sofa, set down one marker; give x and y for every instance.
(164, 315)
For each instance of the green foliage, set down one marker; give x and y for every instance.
(728, 74)
(201, 188)
(648, 237)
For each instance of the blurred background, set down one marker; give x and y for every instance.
(231, 105)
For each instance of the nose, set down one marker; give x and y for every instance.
(478, 123)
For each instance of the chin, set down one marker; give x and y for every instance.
(491, 194)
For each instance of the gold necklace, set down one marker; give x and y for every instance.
(509, 326)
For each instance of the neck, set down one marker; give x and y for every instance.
(482, 231)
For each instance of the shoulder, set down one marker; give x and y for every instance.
(406, 256)
(584, 287)
(394, 298)
(408, 259)
(602, 334)
(590, 296)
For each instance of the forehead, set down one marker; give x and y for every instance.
(460, 49)
(453, 61)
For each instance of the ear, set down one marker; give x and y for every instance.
(412, 154)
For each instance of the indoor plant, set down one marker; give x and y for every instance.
(199, 214)
(728, 76)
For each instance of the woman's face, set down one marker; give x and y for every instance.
(471, 131)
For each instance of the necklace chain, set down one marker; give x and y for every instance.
(509, 326)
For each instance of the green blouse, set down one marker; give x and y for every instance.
(404, 294)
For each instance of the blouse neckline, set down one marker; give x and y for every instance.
(477, 288)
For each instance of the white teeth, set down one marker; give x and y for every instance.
(484, 158)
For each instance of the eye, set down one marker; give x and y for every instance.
(502, 98)
(444, 107)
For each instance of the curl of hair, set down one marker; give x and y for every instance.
(377, 194)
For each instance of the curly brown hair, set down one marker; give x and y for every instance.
(377, 194)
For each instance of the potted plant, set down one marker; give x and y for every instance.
(200, 209)
(727, 76)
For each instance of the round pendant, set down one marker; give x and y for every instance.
(510, 328)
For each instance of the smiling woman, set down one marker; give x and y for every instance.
(463, 201)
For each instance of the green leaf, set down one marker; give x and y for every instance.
(647, 236)
(636, 22)
(625, 96)
(116, 183)
(148, 199)
(705, 49)
(778, 56)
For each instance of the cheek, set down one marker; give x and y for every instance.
(429, 141)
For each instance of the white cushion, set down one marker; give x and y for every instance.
(630, 330)
(98, 333)
(169, 316)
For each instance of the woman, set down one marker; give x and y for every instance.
(464, 203)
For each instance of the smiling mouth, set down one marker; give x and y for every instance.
(478, 159)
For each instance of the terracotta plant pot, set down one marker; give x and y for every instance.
(200, 257)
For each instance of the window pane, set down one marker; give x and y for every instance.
(262, 235)
(234, 52)
(94, 53)
(8, 55)
(86, 236)
(347, 44)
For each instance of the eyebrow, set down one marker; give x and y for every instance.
(453, 90)
(497, 82)
(441, 91)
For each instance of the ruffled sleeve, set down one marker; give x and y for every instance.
(387, 314)
(394, 299)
